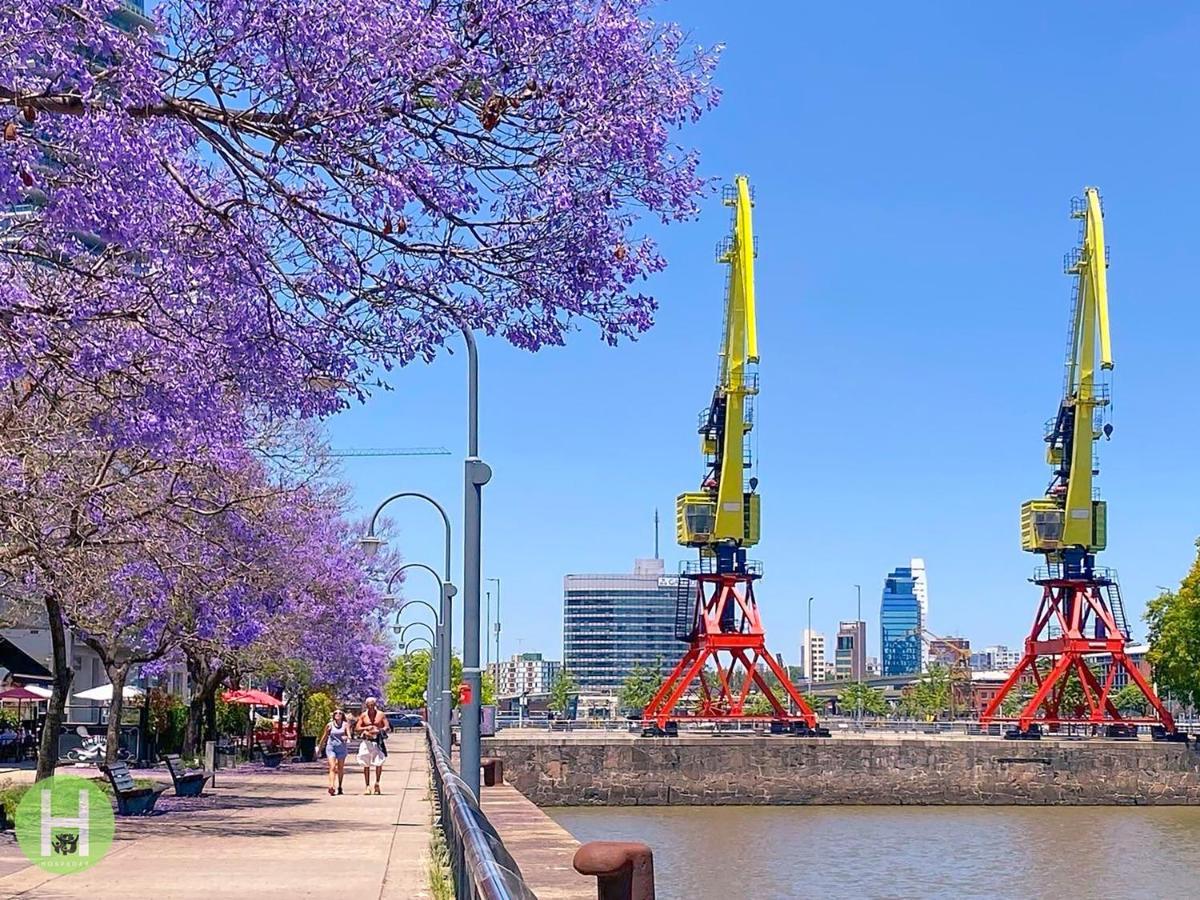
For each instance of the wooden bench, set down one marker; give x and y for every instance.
(131, 799)
(187, 784)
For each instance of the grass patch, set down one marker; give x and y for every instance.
(11, 794)
(441, 881)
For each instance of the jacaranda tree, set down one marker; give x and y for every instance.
(238, 213)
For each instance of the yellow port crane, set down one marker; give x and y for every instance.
(1081, 613)
(716, 612)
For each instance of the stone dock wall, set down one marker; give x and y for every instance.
(621, 770)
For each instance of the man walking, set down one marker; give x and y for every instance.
(372, 727)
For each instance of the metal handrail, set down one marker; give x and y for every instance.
(481, 865)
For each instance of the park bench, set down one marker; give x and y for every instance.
(187, 784)
(131, 799)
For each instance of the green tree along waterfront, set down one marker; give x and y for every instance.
(861, 696)
(1174, 620)
(639, 687)
(408, 678)
(562, 690)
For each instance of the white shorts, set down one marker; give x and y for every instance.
(369, 754)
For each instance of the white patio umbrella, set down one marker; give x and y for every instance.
(105, 692)
(39, 690)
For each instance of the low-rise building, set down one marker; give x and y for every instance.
(525, 673)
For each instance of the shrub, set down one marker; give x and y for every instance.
(317, 709)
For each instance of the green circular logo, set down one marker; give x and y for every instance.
(64, 824)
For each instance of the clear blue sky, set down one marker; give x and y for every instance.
(913, 167)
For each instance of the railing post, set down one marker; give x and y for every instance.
(624, 870)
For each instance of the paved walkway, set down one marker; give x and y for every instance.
(263, 835)
(542, 848)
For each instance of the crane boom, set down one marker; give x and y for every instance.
(390, 451)
(723, 513)
(1069, 525)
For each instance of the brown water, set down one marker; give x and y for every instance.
(729, 853)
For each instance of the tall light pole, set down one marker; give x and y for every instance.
(497, 580)
(371, 543)
(861, 627)
(808, 644)
(487, 625)
(475, 475)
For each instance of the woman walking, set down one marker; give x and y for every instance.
(335, 744)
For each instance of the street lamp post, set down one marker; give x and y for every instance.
(808, 644)
(402, 630)
(861, 627)
(497, 580)
(371, 544)
(475, 475)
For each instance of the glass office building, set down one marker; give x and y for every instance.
(612, 623)
(900, 624)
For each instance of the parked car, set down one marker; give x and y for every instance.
(404, 720)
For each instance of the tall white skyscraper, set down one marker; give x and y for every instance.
(921, 590)
(812, 655)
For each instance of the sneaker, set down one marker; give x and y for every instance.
(339, 791)
(331, 792)
(377, 789)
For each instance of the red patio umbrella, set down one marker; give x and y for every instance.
(19, 693)
(252, 697)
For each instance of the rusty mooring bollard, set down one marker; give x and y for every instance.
(624, 870)
(493, 771)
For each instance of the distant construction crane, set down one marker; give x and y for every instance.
(1080, 613)
(715, 612)
(959, 669)
(390, 451)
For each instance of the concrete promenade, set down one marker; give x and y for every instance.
(542, 848)
(265, 834)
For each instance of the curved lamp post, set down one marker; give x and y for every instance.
(370, 544)
(402, 630)
(476, 473)
(440, 682)
(423, 640)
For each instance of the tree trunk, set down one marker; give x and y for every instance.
(194, 725)
(117, 673)
(55, 708)
(202, 708)
(191, 733)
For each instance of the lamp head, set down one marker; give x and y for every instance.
(370, 545)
